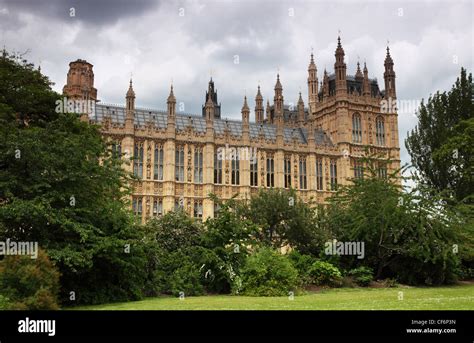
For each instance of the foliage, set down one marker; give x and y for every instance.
(303, 264)
(267, 273)
(398, 229)
(175, 230)
(362, 275)
(29, 284)
(229, 236)
(442, 151)
(441, 145)
(60, 187)
(25, 93)
(284, 219)
(325, 274)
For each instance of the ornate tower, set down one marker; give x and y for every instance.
(130, 107)
(212, 94)
(171, 102)
(340, 70)
(80, 81)
(269, 112)
(245, 120)
(245, 112)
(209, 109)
(301, 118)
(359, 76)
(312, 84)
(365, 82)
(325, 84)
(278, 99)
(259, 107)
(389, 77)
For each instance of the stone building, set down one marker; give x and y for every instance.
(179, 158)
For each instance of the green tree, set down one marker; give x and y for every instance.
(60, 187)
(25, 93)
(29, 284)
(284, 219)
(442, 152)
(441, 146)
(267, 273)
(407, 235)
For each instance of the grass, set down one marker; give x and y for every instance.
(459, 297)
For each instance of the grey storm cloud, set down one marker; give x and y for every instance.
(242, 44)
(95, 12)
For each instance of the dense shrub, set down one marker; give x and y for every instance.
(267, 273)
(415, 271)
(186, 279)
(29, 284)
(325, 274)
(362, 275)
(4, 302)
(303, 264)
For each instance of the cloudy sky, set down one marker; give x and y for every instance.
(241, 43)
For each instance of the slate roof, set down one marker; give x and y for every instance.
(183, 120)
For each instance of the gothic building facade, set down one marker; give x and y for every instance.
(178, 160)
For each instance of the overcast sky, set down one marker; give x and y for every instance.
(185, 41)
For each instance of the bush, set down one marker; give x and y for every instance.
(29, 284)
(186, 279)
(325, 274)
(362, 275)
(267, 273)
(302, 263)
(4, 303)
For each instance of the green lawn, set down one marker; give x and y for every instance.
(414, 298)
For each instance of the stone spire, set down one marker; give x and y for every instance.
(245, 111)
(366, 84)
(312, 83)
(269, 114)
(259, 107)
(340, 69)
(325, 84)
(209, 109)
(278, 98)
(130, 107)
(301, 116)
(358, 74)
(171, 103)
(389, 76)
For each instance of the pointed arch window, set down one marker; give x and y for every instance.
(356, 128)
(333, 174)
(270, 171)
(179, 163)
(254, 172)
(158, 162)
(319, 174)
(380, 131)
(287, 171)
(235, 171)
(217, 168)
(303, 182)
(138, 160)
(198, 157)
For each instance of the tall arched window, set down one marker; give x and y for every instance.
(380, 131)
(356, 128)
